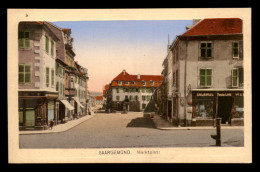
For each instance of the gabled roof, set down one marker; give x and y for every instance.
(216, 26)
(124, 76)
(99, 97)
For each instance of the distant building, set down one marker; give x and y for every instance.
(99, 100)
(134, 89)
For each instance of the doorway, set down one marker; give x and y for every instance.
(224, 109)
(170, 109)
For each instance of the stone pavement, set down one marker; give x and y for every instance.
(61, 127)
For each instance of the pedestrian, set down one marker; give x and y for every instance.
(51, 124)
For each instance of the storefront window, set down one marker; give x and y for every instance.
(50, 110)
(204, 108)
(238, 107)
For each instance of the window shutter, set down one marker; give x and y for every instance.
(52, 77)
(47, 76)
(241, 76)
(208, 77)
(27, 73)
(234, 78)
(240, 49)
(27, 39)
(21, 73)
(202, 77)
(21, 39)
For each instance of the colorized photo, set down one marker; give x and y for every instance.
(131, 84)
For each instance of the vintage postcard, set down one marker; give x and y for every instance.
(129, 85)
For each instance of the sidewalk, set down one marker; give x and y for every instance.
(163, 124)
(61, 127)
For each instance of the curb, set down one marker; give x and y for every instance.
(50, 132)
(198, 128)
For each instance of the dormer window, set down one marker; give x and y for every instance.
(126, 83)
(119, 82)
(152, 83)
(133, 83)
(144, 83)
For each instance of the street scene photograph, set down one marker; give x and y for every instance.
(131, 83)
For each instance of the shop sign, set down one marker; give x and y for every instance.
(205, 94)
(239, 94)
(224, 94)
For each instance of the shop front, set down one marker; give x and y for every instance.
(36, 109)
(225, 104)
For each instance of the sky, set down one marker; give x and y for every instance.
(106, 48)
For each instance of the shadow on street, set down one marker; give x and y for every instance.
(141, 122)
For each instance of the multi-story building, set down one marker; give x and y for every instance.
(37, 92)
(63, 107)
(99, 100)
(133, 89)
(207, 73)
(80, 87)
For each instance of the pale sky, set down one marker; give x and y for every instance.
(105, 48)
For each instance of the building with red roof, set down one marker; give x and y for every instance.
(203, 74)
(136, 90)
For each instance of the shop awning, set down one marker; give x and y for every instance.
(79, 103)
(67, 104)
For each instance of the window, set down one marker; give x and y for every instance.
(143, 98)
(137, 90)
(52, 48)
(237, 77)
(126, 82)
(57, 86)
(148, 98)
(24, 39)
(152, 83)
(71, 83)
(60, 88)
(119, 82)
(24, 73)
(52, 77)
(118, 98)
(117, 90)
(143, 90)
(133, 83)
(235, 50)
(76, 93)
(47, 76)
(143, 106)
(136, 98)
(47, 44)
(143, 82)
(148, 90)
(126, 97)
(206, 49)
(127, 90)
(204, 108)
(131, 97)
(205, 77)
(57, 68)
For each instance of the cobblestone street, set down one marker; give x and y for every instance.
(127, 130)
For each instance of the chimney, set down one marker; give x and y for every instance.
(138, 76)
(196, 21)
(124, 71)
